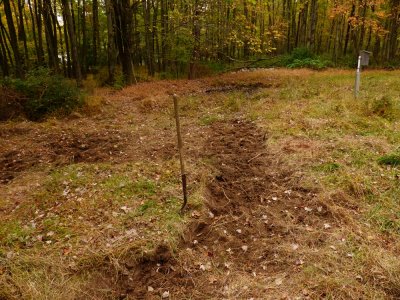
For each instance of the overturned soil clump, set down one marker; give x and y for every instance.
(61, 148)
(255, 209)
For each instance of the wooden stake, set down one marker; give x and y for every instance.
(178, 131)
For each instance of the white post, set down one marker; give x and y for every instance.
(358, 77)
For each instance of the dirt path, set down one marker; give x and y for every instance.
(246, 239)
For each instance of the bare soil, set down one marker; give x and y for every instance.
(253, 203)
(58, 148)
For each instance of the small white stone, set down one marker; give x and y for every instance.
(165, 295)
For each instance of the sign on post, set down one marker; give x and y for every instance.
(365, 57)
(363, 60)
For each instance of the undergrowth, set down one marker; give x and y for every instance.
(44, 93)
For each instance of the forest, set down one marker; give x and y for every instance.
(185, 38)
(199, 149)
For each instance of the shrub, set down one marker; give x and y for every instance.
(301, 54)
(314, 64)
(304, 58)
(298, 58)
(46, 93)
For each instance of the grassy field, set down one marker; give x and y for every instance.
(294, 192)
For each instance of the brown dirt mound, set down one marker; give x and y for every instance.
(75, 147)
(14, 162)
(255, 207)
(62, 148)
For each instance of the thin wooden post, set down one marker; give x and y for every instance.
(178, 131)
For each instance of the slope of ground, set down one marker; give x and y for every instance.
(287, 199)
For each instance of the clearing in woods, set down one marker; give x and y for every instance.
(289, 197)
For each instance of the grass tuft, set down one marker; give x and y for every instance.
(390, 160)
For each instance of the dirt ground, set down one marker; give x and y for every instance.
(90, 203)
(253, 208)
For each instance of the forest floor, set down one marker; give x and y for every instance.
(287, 199)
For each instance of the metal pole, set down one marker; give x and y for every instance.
(358, 77)
(178, 131)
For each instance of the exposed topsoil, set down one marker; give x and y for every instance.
(57, 148)
(254, 205)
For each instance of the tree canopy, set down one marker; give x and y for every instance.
(77, 37)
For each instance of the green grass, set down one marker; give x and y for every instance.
(389, 160)
(328, 167)
(208, 119)
(14, 234)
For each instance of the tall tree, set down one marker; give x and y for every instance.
(95, 25)
(72, 40)
(51, 38)
(19, 64)
(123, 24)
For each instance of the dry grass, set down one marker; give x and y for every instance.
(70, 231)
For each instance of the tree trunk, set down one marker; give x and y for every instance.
(50, 38)
(196, 43)
(123, 21)
(67, 48)
(83, 51)
(313, 24)
(111, 41)
(19, 64)
(346, 42)
(38, 14)
(33, 28)
(148, 42)
(156, 46)
(21, 29)
(96, 35)
(3, 57)
(6, 37)
(164, 30)
(393, 35)
(72, 39)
